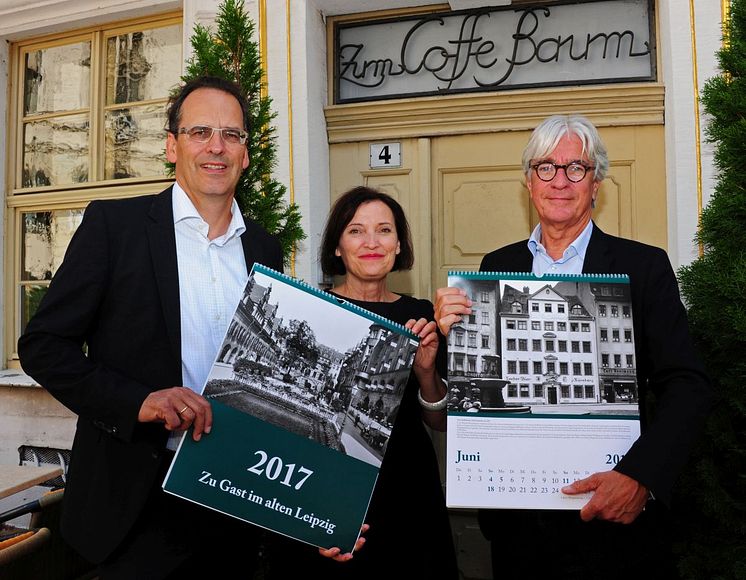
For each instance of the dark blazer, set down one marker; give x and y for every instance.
(667, 365)
(117, 294)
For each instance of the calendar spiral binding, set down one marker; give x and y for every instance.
(476, 275)
(349, 306)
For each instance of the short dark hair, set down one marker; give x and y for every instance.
(205, 82)
(342, 213)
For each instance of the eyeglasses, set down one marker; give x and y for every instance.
(203, 133)
(546, 170)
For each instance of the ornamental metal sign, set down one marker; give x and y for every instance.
(489, 49)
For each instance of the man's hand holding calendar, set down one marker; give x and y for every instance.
(616, 497)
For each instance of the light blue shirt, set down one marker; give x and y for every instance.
(572, 259)
(212, 277)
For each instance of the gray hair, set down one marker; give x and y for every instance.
(551, 130)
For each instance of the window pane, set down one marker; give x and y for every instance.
(58, 79)
(55, 151)
(30, 297)
(135, 142)
(143, 65)
(46, 235)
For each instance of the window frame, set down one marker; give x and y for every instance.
(69, 196)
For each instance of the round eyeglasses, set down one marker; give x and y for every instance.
(546, 170)
(203, 133)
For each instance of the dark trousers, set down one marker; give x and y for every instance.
(174, 538)
(559, 545)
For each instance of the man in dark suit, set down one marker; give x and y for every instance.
(148, 286)
(565, 163)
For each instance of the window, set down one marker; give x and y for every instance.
(602, 309)
(615, 311)
(562, 326)
(485, 341)
(575, 345)
(485, 317)
(576, 369)
(588, 368)
(549, 345)
(88, 109)
(548, 325)
(561, 308)
(627, 335)
(562, 344)
(604, 335)
(472, 340)
(577, 309)
(534, 307)
(586, 346)
(577, 391)
(512, 391)
(615, 335)
(537, 367)
(523, 367)
(630, 361)
(473, 318)
(585, 327)
(523, 344)
(459, 338)
(536, 345)
(573, 327)
(589, 394)
(547, 308)
(524, 390)
(512, 366)
(511, 344)
(459, 362)
(565, 390)
(617, 360)
(485, 296)
(510, 324)
(521, 325)
(551, 368)
(472, 364)
(563, 368)
(626, 313)
(605, 360)
(539, 391)
(535, 325)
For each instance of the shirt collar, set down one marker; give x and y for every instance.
(184, 211)
(577, 247)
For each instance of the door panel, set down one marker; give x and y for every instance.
(464, 195)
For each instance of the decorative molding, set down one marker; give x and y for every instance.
(639, 104)
(19, 18)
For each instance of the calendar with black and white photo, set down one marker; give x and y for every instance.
(305, 391)
(542, 387)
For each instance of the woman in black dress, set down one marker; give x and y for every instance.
(366, 237)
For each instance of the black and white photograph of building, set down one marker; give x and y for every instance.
(304, 364)
(549, 343)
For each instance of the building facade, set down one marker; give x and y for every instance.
(85, 85)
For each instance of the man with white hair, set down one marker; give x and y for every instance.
(564, 163)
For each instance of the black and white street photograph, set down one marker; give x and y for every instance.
(562, 345)
(300, 362)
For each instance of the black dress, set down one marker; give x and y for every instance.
(410, 535)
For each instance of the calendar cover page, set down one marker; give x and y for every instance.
(304, 393)
(542, 387)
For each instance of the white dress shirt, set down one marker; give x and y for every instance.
(212, 277)
(571, 261)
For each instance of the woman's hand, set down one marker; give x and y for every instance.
(450, 306)
(424, 359)
(336, 553)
